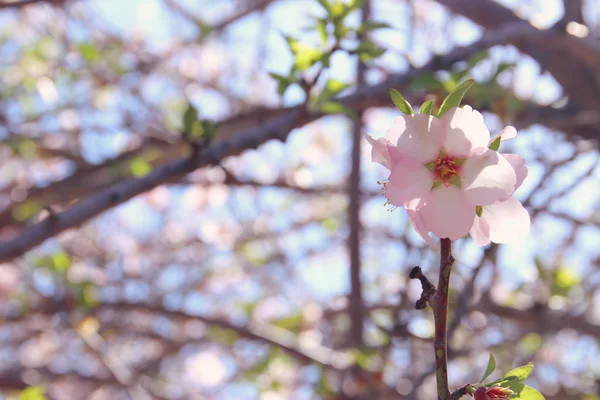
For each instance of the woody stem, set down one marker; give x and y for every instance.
(439, 304)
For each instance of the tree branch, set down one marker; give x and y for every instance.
(438, 300)
(23, 3)
(574, 62)
(354, 193)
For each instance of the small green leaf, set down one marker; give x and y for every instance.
(371, 26)
(479, 212)
(332, 107)
(304, 56)
(524, 392)
(519, 374)
(89, 52)
(454, 98)
(332, 88)
(189, 117)
(61, 261)
(321, 27)
(368, 50)
(401, 102)
(33, 393)
(430, 165)
(495, 145)
(326, 5)
(427, 108)
(283, 82)
(492, 361)
(140, 167)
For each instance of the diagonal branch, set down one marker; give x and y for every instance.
(23, 3)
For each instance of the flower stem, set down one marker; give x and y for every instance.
(439, 304)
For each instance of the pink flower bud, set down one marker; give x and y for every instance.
(493, 393)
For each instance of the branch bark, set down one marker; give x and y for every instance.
(438, 300)
(574, 62)
(354, 193)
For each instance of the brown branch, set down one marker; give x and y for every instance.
(23, 3)
(439, 303)
(356, 298)
(572, 61)
(125, 190)
(438, 300)
(426, 285)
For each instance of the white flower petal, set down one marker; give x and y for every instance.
(465, 130)
(508, 220)
(417, 136)
(447, 214)
(487, 177)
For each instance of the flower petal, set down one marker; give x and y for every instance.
(408, 181)
(446, 213)
(487, 177)
(508, 220)
(508, 133)
(379, 154)
(480, 232)
(415, 218)
(417, 136)
(465, 130)
(518, 163)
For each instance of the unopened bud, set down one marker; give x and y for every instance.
(493, 393)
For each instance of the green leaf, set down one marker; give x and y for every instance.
(479, 212)
(89, 52)
(495, 145)
(33, 393)
(321, 27)
(304, 56)
(524, 392)
(61, 261)
(492, 361)
(519, 374)
(140, 167)
(401, 102)
(368, 50)
(326, 5)
(332, 107)
(189, 117)
(371, 26)
(477, 58)
(332, 88)
(283, 82)
(454, 98)
(427, 108)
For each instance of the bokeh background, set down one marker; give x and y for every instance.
(271, 269)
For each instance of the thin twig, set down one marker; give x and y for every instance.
(438, 300)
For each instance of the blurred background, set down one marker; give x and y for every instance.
(267, 268)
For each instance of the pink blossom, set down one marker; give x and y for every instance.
(441, 169)
(493, 393)
(505, 221)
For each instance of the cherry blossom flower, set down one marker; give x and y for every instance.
(441, 170)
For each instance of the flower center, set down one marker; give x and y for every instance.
(446, 170)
